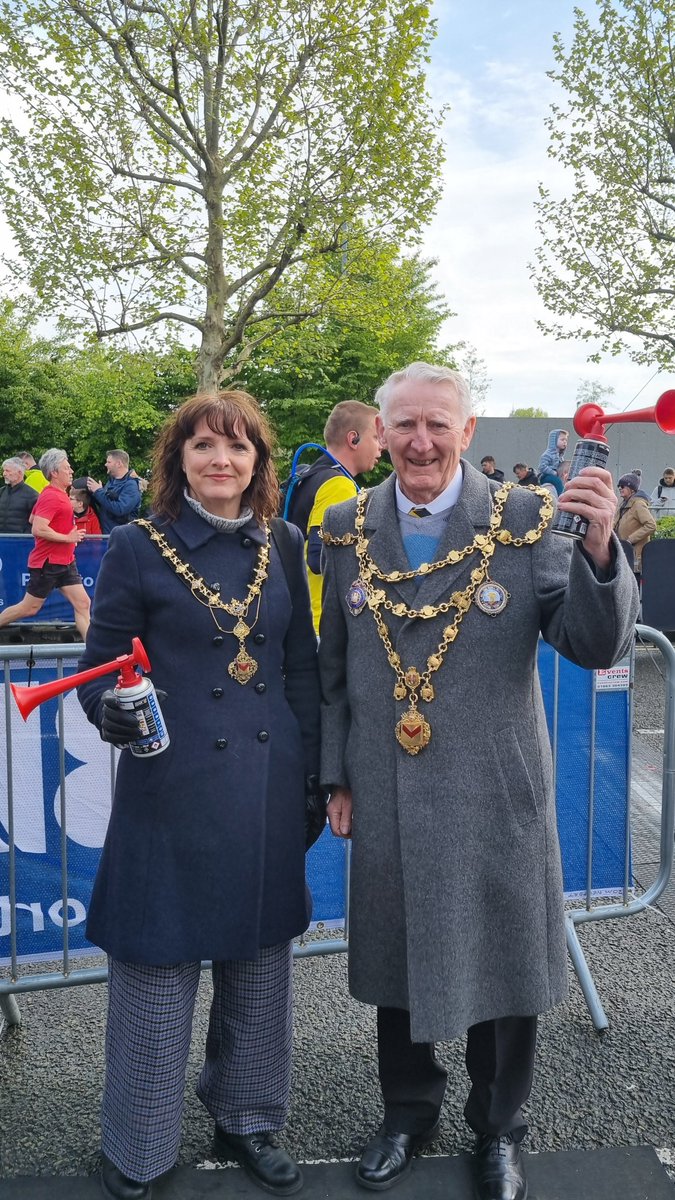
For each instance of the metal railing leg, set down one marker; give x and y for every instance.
(585, 978)
(10, 1009)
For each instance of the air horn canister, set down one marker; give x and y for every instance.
(134, 692)
(593, 451)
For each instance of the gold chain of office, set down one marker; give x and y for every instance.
(413, 732)
(243, 667)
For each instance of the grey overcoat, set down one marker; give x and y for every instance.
(456, 886)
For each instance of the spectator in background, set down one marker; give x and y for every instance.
(487, 466)
(51, 562)
(16, 498)
(351, 438)
(34, 477)
(633, 522)
(553, 456)
(641, 491)
(83, 511)
(119, 500)
(525, 474)
(564, 469)
(662, 498)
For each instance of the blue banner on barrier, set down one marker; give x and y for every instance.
(37, 821)
(37, 810)
(588, 753)
(14, 575)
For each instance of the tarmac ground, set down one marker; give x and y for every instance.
(589, 1093)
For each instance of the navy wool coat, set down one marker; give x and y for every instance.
(456, 888)
(204, 855)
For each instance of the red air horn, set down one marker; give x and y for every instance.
(28, 698)
(590, 419)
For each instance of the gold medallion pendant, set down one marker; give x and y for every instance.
(491, 598)
(243, 667)
(413, 732)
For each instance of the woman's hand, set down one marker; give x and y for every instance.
(340, 812)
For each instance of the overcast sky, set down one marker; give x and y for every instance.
(489, 64)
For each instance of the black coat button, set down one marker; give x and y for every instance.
(217, 693)
(259, 639)
(260, 688)
(218, 639)
(221, 743)
(263, 736)
(246, 542)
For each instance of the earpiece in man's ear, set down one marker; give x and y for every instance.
(355, 439)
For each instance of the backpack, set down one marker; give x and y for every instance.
(298, 490)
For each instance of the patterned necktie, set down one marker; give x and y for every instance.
(419, 512)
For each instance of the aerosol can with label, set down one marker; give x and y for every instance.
(137, 694)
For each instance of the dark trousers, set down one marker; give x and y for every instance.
(499, 1060)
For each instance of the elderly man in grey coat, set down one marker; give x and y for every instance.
(436, 581)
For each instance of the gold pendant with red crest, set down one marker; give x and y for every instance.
(413, 733)
(243, 667)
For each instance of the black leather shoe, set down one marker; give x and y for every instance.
(388, 1157)
(499, 1169)
(262, 1159)
(117, 1186)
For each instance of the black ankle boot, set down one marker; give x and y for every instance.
(117, 1186)
(263, 1160)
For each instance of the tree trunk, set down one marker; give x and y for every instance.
(212, 350)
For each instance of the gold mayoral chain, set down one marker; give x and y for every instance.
(243, 666)
(413, 732)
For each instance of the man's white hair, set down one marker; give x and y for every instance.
(51, 461)
(15, 462)
(423, 372)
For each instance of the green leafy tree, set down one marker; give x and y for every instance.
(175, 160)
(390, 315)
(606, 263)
(528, 412)
(84, 400)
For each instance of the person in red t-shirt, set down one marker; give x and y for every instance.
(51, 562)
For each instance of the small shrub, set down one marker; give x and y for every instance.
(665, 527)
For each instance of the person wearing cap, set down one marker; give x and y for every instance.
(634, 522)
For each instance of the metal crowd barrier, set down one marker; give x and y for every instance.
(629, 904)
(69, 975)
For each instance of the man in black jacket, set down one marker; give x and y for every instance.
(487, 466)
(16, 498)
(525, 474)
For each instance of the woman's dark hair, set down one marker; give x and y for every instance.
(233, 414)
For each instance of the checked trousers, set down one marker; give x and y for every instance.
(245, 1080)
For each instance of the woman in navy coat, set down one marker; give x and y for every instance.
(204, 856)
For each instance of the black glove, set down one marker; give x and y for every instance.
(119, 725)
(316, 799)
